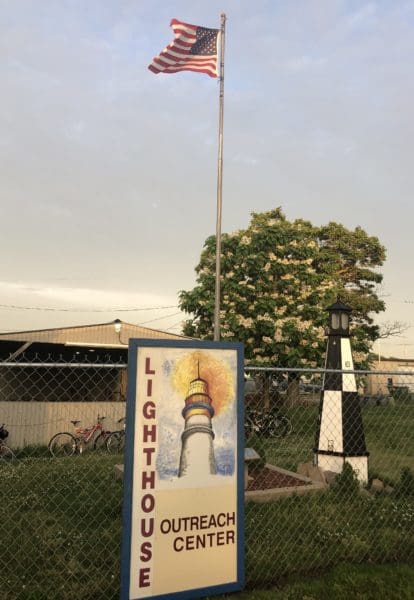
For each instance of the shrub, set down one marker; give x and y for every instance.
(33, 451)
(405, 487)
(401, 392)
(346, 483)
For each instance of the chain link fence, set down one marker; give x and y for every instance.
(60, 518)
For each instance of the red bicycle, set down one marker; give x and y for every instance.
(66, 444)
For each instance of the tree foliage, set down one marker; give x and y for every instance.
(277, 278)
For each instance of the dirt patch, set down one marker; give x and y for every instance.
(268, 479)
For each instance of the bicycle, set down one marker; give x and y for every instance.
(65, 443)
(115, 443)
(101, 440)
(270, 423)
(6, 453)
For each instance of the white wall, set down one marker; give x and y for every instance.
(36, 422)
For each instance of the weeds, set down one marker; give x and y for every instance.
(346, 483)
(405, 486)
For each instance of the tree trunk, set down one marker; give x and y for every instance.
(292, 394)
(266, 393)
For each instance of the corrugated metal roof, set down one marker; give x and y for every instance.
(103, 334)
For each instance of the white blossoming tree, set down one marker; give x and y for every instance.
(278, 277)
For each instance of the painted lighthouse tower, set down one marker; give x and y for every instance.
(340, 436)
(197, 458)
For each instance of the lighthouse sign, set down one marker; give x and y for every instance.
(184, 479)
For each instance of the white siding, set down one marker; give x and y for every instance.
(36, 422)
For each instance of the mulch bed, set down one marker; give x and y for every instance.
(268, 479)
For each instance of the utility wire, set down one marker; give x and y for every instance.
(87, 310)
(175, 325)
(160, 318)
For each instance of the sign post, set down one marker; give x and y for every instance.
(183, 532)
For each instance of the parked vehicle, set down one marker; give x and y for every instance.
(279, 386)
(266, 423)
(115, 443)
(65, 443)
(6, 453)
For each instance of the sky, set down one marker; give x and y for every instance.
(109, 172)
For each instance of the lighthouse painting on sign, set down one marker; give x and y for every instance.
(197, 451)
(198, 418)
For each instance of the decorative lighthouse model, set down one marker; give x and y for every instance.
(340, 437)
(197, 453)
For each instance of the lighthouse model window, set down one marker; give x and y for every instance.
(183, 481)
(335, 321)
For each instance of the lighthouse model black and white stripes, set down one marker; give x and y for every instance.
(340, 436)
(197, 458)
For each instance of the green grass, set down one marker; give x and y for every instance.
(60, 526)
(313, 533)
(362, 582)
(390, 439)
(388, 433)
(60, 523)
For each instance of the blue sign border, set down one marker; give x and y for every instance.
(134, 346)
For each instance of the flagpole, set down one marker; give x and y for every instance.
(219, 184)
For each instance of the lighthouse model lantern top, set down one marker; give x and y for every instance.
(339, 319)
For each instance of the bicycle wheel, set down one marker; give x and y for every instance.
(100, 441)
(62, 444)
(116, 442)
(287, 424)
(279, 426)
(248, 428)
(6, 453)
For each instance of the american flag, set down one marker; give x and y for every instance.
(193, 49)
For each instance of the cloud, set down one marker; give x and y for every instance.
(244, 159)
(24, 303)
(365, 14)
(54, 210)
(109, 173)
(85, 297)
(302, 63)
